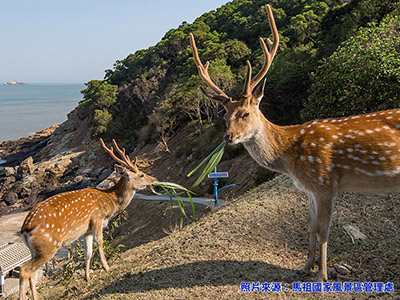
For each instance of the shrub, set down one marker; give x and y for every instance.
(100, 121)
(363, 75)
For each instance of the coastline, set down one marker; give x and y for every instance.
(23, 145)
(2, 161)
(14, 154)
(55, 159)
(26, 109)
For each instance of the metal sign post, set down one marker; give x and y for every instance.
(215, 188)
(217, 175)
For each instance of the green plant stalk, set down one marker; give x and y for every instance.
(180, 204)
(173, 193)
(191, 202)
(171, 185)
(214, 160)
(174, 187)
(220, 146)
(169, 195)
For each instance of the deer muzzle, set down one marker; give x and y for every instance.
(228, 137)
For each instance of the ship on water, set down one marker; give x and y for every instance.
(14, 83)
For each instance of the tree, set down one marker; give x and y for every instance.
(363, 75)
(184, 101)
(98, 99)
(100, 93)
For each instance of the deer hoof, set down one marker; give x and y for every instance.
(302, 272)
(321, 277)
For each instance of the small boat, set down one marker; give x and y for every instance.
(15, 83)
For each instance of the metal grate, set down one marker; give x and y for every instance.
(2, 244)
(13, 255)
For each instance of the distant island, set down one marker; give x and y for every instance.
(15, 83)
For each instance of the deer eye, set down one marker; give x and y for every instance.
(141, 175)
(245, 115)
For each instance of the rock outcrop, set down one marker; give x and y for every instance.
(67, 157)
(56, 159)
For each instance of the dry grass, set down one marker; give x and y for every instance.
(260, 237)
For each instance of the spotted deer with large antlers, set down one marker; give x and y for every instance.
(357, 153)
(63, 218)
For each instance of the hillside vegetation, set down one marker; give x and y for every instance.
(156, 90)
(335, 58)
(260, 237)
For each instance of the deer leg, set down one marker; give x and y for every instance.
(22, 287)
(324, 217)
(99, 241)
(28, 271)
(312, 218)
(89, 252)
(32, 283)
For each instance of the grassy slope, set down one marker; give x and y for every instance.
(262, 236)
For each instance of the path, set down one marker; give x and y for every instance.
(10, 225)
(198, 200)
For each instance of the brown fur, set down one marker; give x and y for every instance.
(357, 153)
(63, 218)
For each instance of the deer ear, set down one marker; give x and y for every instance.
(120, 169)
(259, 92)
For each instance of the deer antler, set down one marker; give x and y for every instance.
(125, 161)
(269, 56)
(203, 72)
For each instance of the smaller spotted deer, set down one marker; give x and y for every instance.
(65, 217)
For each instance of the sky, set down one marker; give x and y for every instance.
(74, 41)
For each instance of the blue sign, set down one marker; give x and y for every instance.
(218, 175)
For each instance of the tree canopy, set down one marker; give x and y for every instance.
(160, 86)
(363, 75)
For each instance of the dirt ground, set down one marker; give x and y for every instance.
(261, 237)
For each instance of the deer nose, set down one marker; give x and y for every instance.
(228, 137)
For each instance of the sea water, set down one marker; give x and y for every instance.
(26, 109)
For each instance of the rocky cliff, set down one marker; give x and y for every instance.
(56, 159)
(67, 157)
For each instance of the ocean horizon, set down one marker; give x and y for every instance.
(26, 109)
